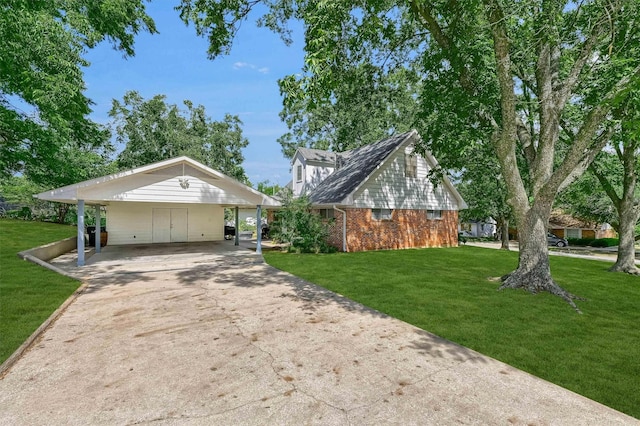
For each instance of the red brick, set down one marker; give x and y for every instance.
(406, 229)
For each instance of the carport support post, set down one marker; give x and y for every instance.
(98, 228)
(236, 239)
(80, 233)
(259, 229)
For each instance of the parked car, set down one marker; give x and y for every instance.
(554, 240)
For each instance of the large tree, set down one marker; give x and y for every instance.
(621, 187)
(502, 72)
(42, 47)
(152, 130)
(369, 106)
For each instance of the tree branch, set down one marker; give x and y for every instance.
(586, 52)
(505, 141)
(606, 185)
(423, 11)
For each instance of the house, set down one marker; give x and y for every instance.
(176, 200)
(566, 226)
(479, 228)
(379, 196)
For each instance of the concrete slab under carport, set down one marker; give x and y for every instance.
(213, 335)
(142, 258)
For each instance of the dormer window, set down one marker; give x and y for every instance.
(299, 173)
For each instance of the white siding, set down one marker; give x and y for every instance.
(314, 174)
(389, 188)
(298, 185)
(151, 188)
(132, 222)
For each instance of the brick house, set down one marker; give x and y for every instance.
(379, 196)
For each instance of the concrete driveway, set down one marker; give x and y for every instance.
(212, 335)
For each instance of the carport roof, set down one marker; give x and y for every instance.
(178, 180)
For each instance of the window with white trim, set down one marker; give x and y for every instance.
(410, 166)
(434, 214)
(381, 214)
(299, 173)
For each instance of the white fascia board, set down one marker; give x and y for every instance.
(70, 193)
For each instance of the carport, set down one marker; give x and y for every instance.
(173, 201)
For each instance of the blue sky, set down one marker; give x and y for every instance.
(174, 63)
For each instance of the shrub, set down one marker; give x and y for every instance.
(601, 242)
(605, 242)
(580, 241)
(299, 227)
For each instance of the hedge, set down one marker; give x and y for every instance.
(600, 242)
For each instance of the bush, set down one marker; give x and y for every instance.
(605, 242)
(580, 241)
(601, 242)
(299, 227)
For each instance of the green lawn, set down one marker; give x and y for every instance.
(445, 291)
(29, 293)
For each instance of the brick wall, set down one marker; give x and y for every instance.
(406, 229)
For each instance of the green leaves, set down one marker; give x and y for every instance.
(153, 130)
(42, 45)
(299, 226)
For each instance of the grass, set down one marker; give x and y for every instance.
(28, 293)
(446, 292)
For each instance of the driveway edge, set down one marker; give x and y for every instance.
(8, 363)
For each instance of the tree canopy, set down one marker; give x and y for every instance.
(42, 47)
(152, 130)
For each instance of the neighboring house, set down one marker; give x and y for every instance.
(479, 228)
(176, 200)
(379, 196)
(566, 226)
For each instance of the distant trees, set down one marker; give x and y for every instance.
(152, 130)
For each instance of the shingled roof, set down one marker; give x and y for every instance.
(311, 154)
(358, 165)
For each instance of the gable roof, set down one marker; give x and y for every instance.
(312, 154)
(560, 219)
(93, 190)
(360, 164)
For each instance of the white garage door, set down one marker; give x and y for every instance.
(170, 225)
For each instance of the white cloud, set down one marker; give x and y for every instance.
(240, 65)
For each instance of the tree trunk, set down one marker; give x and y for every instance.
(504, 237)
(534, 273)
(626, 249)
(62, 210)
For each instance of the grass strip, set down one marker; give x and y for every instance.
(29, 293)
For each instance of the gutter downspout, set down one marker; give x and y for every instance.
(344, 228)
